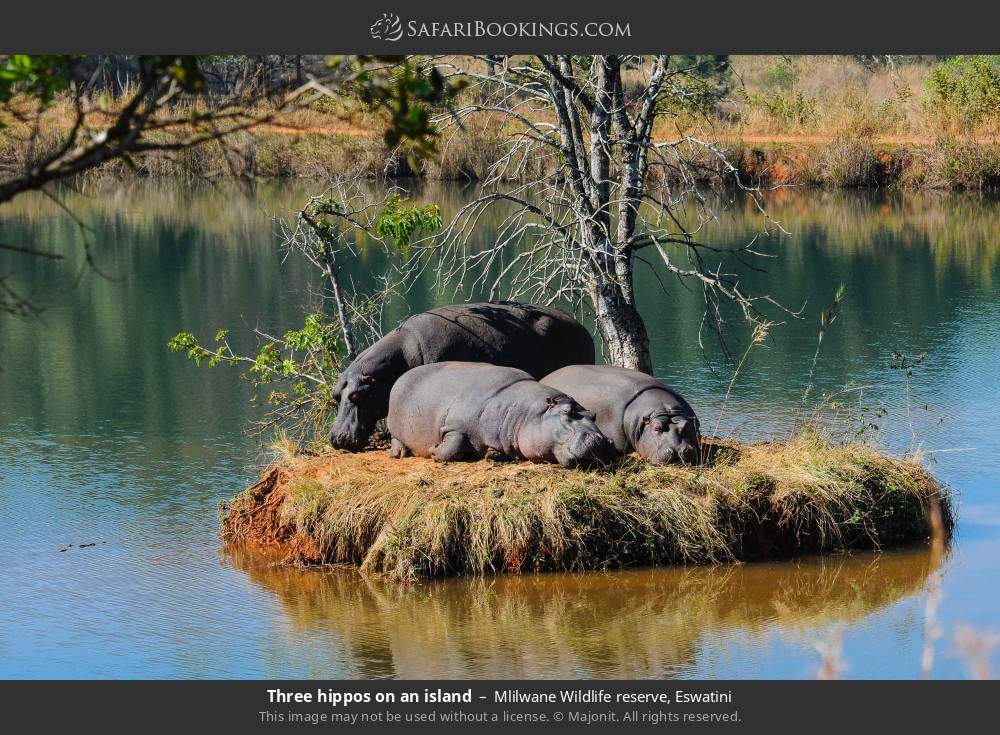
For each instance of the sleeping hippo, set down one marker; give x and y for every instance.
(452, 411)
(634, 410)
(536, 339)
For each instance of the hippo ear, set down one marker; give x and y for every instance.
(551, 401)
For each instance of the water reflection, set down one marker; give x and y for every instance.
(631, 624)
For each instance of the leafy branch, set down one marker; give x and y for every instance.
(401, 220)
(297, 370)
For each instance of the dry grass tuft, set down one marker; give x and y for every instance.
(415, 518)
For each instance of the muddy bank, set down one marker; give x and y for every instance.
(416, 518)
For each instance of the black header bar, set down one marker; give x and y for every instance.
(512, 26)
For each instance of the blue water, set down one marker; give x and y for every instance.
(106, 438)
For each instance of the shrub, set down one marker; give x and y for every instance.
(966, 88)
(791, 110)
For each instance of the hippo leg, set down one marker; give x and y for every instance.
(454, 445)
(398, 450)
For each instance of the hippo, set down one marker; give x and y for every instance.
(634, 410)
(536, 339)
(452, 411)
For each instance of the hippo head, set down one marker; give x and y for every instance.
(669, 437)
(360, 396)
(566, 433)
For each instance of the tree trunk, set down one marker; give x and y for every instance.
(622, 329)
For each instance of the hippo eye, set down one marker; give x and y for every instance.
(658, 426)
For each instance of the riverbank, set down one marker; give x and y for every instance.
(766, 160)
(416, 518)
(841, 162)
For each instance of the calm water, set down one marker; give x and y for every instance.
(108, 439)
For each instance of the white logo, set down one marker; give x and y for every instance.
(387, 28)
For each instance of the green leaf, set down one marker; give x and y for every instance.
(401, 219)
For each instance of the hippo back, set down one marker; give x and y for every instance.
(536, 339)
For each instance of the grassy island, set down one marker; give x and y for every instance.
(416, 518)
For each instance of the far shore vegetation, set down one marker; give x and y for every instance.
(836, 121)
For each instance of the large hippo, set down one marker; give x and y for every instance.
(536, 339)
(452, 411)
(634, 410)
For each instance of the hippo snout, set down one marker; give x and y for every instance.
(352, 441)
(349, 431)
(586, 448)
(684, 452)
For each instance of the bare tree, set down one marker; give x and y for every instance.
(590, 189)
